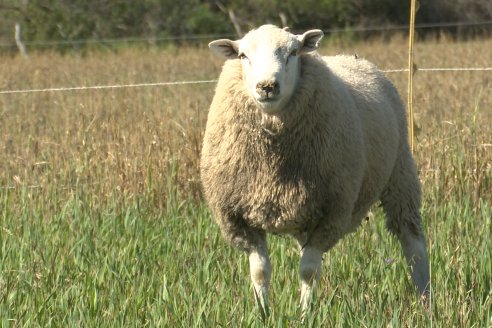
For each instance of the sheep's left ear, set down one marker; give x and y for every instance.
(309, 41)
(225, 48)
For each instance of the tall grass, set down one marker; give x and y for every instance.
(102, 221)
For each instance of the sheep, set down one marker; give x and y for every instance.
(303, 145)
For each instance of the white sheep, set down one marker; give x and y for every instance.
(303, 145)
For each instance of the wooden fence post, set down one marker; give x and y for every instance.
(18, 40)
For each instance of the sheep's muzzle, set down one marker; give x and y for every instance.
(268, 89)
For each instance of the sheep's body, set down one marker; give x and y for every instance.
(314, 169)
(332, 150)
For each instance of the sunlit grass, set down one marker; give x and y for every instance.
(131, 266)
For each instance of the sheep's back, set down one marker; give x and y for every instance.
(382, 116)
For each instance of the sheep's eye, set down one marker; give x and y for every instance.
(242, 56)
(293, 53)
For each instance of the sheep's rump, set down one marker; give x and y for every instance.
(330, 151)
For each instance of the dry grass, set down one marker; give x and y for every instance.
(105, 141)
(132, 141)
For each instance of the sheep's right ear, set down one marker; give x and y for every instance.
(225, 48)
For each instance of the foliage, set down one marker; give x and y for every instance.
(70, 20)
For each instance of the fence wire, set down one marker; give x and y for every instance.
(177, 83)
(198, 37)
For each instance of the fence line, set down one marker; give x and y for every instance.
(441, 69)
(156, 84)
(194, 37)
(98, 87)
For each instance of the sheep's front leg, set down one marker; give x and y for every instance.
(260, 270)
(313, 245)
(253, 241)
(310, 268)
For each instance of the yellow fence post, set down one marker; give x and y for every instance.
(411, 71)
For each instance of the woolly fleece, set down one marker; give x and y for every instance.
(317, 166)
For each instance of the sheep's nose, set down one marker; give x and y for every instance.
(268, 89)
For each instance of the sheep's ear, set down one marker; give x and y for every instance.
(309, 41)
(286, 29)
(225, 48)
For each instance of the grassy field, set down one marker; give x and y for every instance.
(102, 222)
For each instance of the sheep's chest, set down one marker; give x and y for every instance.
(279, 208)
(280, 185)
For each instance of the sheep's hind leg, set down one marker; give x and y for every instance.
(401, 203)
(416, 255)
(260, 270)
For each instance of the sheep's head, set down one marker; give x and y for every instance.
(270, 60)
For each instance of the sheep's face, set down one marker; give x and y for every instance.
(270, 60)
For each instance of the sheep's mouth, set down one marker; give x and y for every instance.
(269, 106)
(267, 100)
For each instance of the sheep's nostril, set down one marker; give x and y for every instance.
(268, 89)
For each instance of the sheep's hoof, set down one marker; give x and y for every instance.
(303, 316)
(305, 303)
(426, 302)
(261, 297)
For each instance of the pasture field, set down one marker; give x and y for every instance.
(102, 223)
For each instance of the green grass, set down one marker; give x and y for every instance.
(88, 266)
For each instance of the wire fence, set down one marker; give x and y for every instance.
(177, 83)
(201, 37)
(99, 87)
